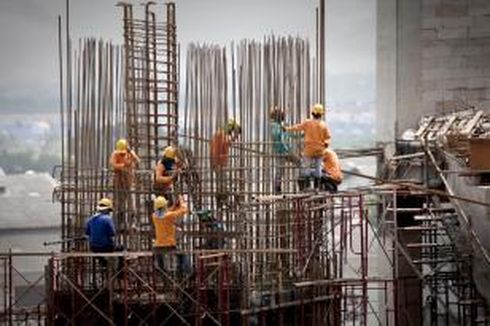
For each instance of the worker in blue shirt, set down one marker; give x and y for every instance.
(280, 146)
(100, 229)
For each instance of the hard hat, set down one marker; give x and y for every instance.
(104, 203)
(170, 152)
(318, 109)
(159, 203)
(121, 145)
(232, 125)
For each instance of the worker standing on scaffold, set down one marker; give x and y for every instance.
(280, 147)
(166, 174)
(219, 154)
(164, 222)
(316, 133)
(123, 162)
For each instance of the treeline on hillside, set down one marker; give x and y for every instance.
(20, 162)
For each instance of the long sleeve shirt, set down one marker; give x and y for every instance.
(316, 134)
(165, 225)
(100, 230)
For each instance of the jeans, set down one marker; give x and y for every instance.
(312, 167)
(165, 260)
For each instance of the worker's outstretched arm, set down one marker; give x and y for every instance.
(296, 127)
(135, 156)
(179, 210)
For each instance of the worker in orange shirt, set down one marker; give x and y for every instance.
(123, 162)
(316, 133)
(331, 170)
(166, 173)
(164, 222)
(219, 154)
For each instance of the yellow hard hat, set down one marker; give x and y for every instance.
(170, 152)
(104, 203)
(318, 109)
(232, 125)
(159, 203)
(121, 145)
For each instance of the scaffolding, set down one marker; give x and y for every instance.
(371, 255)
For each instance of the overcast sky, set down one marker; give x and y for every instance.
(28, 36)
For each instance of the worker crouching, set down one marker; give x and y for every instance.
(100, 231)
(331, 171)
(164, 222)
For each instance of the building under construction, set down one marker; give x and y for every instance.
(408, 248)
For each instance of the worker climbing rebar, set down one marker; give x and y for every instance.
(164, 222)
(219, 154)
(123, 162)
(167, 171)
(280, 147)
(316, 133)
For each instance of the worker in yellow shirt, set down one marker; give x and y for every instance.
(164, 222)
(331, 171)
(123, 162)
(166, 173)
(316, 133)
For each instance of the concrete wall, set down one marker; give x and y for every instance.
(432, 56)
(479, 218)
(455, 54)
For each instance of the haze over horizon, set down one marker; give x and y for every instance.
(28, 31)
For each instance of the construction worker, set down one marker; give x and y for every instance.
(166, 173)
(164, 222)
(123, 162)
(219, 153)
(331, 171)
(316, 133)
(280, 147)
(100, 230)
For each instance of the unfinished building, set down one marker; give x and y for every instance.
(399, 251)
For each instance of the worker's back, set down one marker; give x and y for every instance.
(316, 133)
(100, 230)
(331, 165)
(165, 225)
